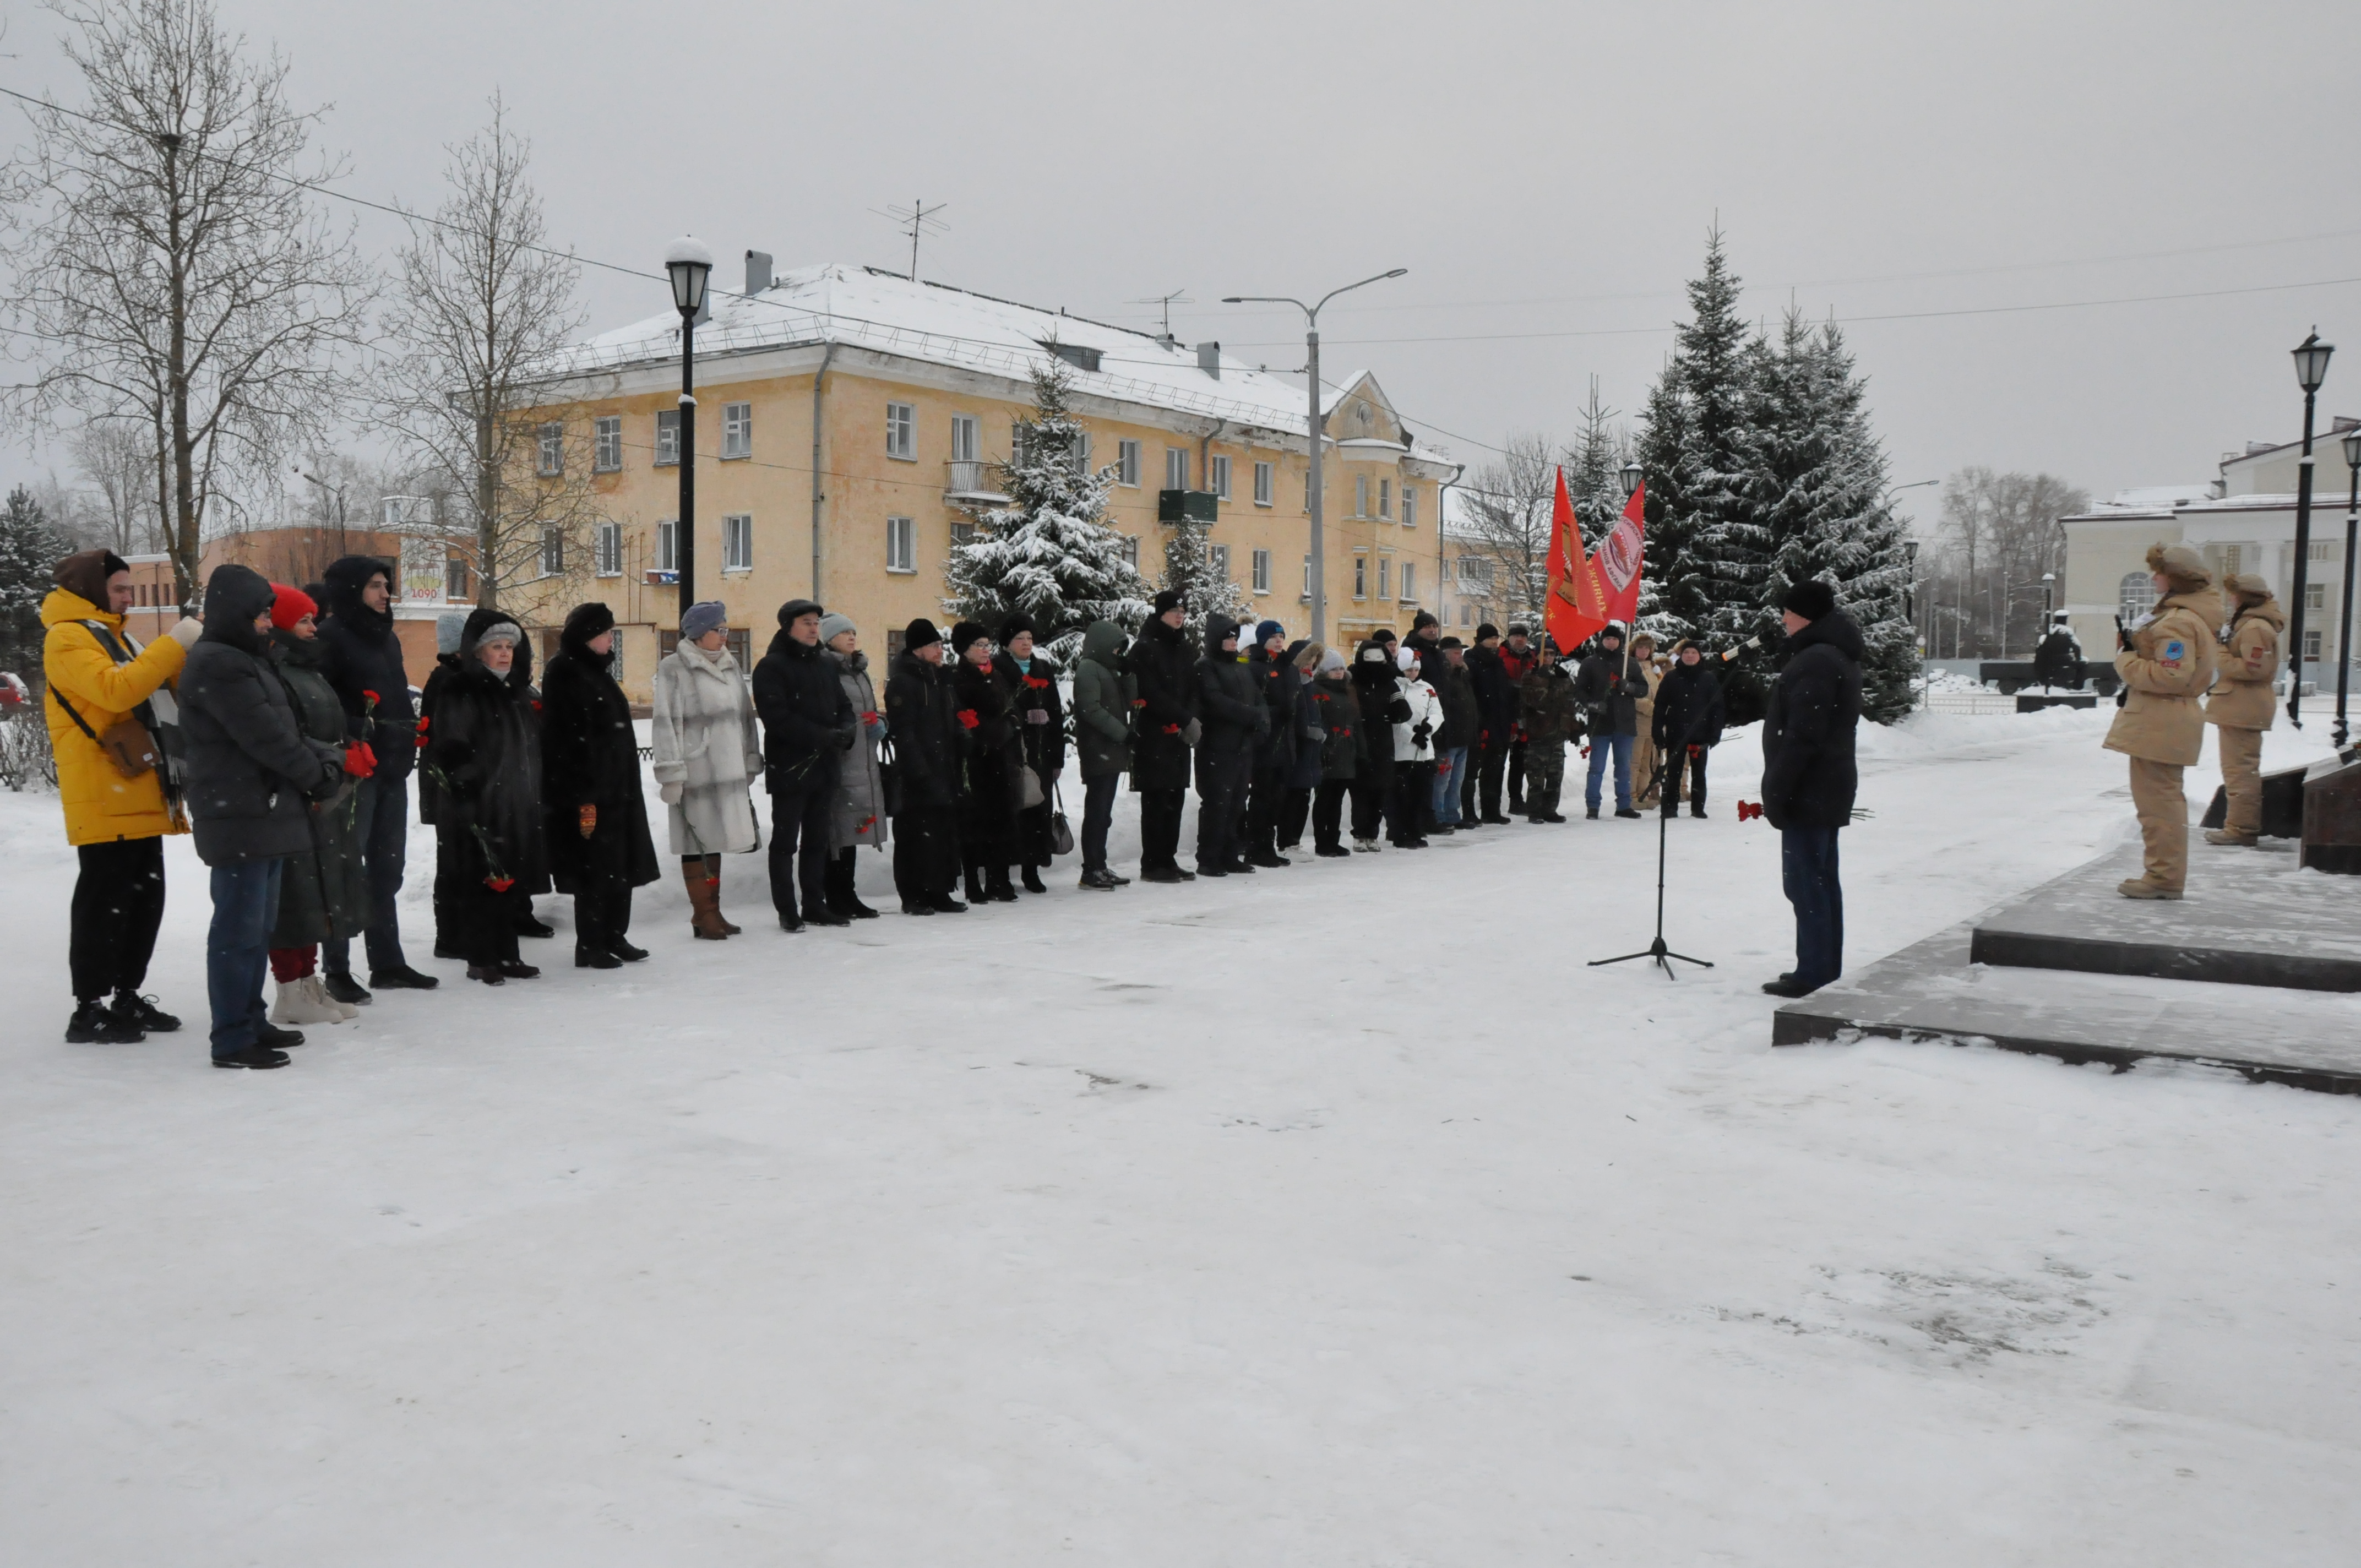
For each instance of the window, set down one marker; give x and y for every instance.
(454, 577)
(1217, 556)
(1385, 577)
(1176, 467)
(1385, 497)
(902, 431)
(1080, 453)
(1131, 544)
(1410, 582)
(1221, 477)
(1360, 576)
(1262, 571)
(1360, 495)
(738, 544)
(1410, 506)
(1466, 615)
(967, 438)
(607, 451)
(552, 451)
(737, 430)
(2231, 555)
(2312, 647)
(552, 552)
(901, 545)
(1126, 463)
(1262, 484)
(2319, 551)
(2135, 596)
(2315, 596)
(610, 549)
(963, 534)
(667, 556)
(668, 439)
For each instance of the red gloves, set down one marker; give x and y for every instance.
(359, 760)
(1694, 752)
(500, 883)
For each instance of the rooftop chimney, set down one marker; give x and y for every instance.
(1209, 359)
(758, 271)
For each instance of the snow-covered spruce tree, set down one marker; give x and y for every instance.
(29, 551)
(1047, 553)
(1593, 471)
(1203, 587)
(1821, 488)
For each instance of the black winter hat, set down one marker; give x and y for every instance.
(1016, 623)
(1166, 601)
(1486, 630)
(918, 633)
(583, 622)
(1519, 631)
(1422, 619)
(1811, 599)
(1384, 634)
(795, 609)
(966, 634)
(1451, 642)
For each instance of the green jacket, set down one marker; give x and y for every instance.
(1104, 694)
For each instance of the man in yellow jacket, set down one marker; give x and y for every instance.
(97, 678)
(2166, 668)
(2240, 708)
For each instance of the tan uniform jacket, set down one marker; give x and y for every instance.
(2241, 697)
(2166, 668)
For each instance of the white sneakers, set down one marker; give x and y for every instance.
(306, 1000)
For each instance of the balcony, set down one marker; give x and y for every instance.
(969, 484)
(1171, 506)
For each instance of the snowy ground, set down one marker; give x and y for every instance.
(1338, 1215)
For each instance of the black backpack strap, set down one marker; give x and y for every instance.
(80, 722)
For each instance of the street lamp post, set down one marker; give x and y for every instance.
(2311, 370)
(2345, 622)
(1311, 431)
(689, 262)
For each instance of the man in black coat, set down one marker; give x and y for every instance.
(1496, 721)
(1236, 720)
(361, 657)
(1809, 776)
(807, 724)
(251, 779)
(928, 744)
(1686, 724)
(1165, 729)
(1609, 686)
(1379, 692)
(1276, 681)
(600, 848)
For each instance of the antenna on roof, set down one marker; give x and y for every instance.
(920, 218)
(1176, 297)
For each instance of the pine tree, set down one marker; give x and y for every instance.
(1594, 471)
(30, 552)
(1189, 570)
(1047, 553)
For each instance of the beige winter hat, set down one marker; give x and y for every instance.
(2184, 568)
(2249, 587)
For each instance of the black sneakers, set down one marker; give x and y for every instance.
(597, 958)
(141, 1012)
(95, 1024)
(344, 988)
(260, 1059)
(403, 978)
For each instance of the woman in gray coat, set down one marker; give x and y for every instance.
(859, 816)
(706, 752)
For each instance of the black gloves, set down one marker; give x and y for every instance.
(1421, 732)
(1398, 712)
(846, 735)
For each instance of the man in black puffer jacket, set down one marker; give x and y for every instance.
(1686, 724)
(1276, 682)
(928, 742)
(1496, 706)
(1809, 777)
(1236, 720)
(251, 779)
(361, 657)
(807, 725)
(1163, 669)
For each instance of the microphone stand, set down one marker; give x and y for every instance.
(1656, 951)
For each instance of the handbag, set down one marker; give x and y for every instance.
(1028, 788)
(1061, 837)
(126, 743)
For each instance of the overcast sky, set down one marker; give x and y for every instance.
(1547, 172)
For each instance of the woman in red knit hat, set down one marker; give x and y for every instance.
(322, 893)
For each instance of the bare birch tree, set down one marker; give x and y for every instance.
(125, 509)
(1507, 508)
(484, 310)
(1999, 534)
(171, 269)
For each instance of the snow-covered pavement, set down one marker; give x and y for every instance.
(1337, 1215)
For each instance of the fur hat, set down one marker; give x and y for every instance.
(2181, 566)
(966, 635)
(1639, 638)
(704, 616)
(918, 633)
(1017, 622)
(1166, 601)
(795, 609)
(1307, 655)
(2249, 587)
(289, 606)
(835, 624)
(1810, 598)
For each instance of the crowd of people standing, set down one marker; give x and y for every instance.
(280, 729)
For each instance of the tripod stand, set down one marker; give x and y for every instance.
(1656, 950)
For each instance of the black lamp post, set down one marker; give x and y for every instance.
(2311, 370)
(690, 263)
(1630, 474)
(2345, 614)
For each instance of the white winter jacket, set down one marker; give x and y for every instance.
(704, 739)
(1426, 709)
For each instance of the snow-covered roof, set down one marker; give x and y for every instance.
(886, 312)
(2148, 496)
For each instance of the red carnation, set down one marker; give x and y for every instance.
(967, 717)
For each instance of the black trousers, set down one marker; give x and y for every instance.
(118, 903)
(1516, 775)
(1098, 817)
(1221, 781)
(1266, 799)
(1293, 808)
(1696, 763)
(1328, 814)
(926, 852)
(1160, 827)
(1409, 810)
(484, 923)
(800, 830)
(1370, 787)
(602, 910)
(1491, 763)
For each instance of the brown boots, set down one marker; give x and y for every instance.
(705, 916)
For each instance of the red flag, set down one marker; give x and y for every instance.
(1578, 605)
(1617, 562)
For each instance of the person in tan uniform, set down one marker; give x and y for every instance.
(2241, 704)
(2167, 666)
(1643, 745)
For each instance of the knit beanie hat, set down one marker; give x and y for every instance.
(1810, 598)
(835, 624)
(1424, 617)
(84, 572)
(1407, 660)
(1267, 629)
(704, 616)
(1384, 634)
(1516, 630)
(449, 629)
(1484, 631)
(919, 634)
(289, 606)
(966, 635)
(1166, 601)
(501, 630)
(1331, 661)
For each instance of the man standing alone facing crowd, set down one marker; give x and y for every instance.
(1809, 777)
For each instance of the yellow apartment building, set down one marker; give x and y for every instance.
(850, 421)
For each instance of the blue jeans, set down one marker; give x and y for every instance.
(237, 949)
(1446, 784)
(382, 838)
(1601, 748)
(1808, 864)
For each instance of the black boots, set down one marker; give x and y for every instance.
(840, 896)
(1033, 880)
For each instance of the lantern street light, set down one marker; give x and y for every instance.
(690, 263)
(2311, 370)
(2352, 526)
(1629, 474)
(1312, 371)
